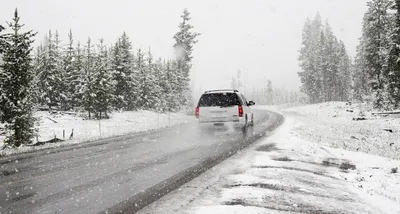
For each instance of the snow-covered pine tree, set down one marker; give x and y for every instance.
(87, 90)
(316, 46)
(166, 87)
(393, 71)
(103, 84)
(37, 65)
(309, 74)
(159, 78)
(151, 86)
(70, 76)
(77, 78)
(2, 49)
(124, 75)
(376, 28)
(359, 76)
(330, 67)
(51, 76)
(319, 62)
(173, 77)
(62, 86)
(142, 87)
(16, 84)
(118, 76)
(321, 66)
(305, 62)
(2, 41)
(344, 75)
(185, 39)
(42, 73)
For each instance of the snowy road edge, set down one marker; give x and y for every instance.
(83, 144)
(141, 200)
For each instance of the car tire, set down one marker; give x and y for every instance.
(252, 120)
(246, 125)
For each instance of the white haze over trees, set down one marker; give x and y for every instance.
(261, 38)
(328, 74)
(325, 64)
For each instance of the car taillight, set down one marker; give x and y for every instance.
(240, 111)
(197, 112)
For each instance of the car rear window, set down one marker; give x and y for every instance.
(219, 99)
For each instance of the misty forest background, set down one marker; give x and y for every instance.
(98, 78)
(328, 74)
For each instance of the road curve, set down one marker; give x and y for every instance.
(117, 175)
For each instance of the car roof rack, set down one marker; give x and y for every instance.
(234, 90)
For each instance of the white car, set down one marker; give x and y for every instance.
(225, 107)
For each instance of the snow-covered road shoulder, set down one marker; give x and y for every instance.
(286, 174)
(63, 125)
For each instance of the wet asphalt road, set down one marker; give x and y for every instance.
(120, 174)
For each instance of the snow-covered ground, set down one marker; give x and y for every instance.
(298, 170)
(332, 124)
(120, 123)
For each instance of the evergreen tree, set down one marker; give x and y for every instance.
(62, 86)
(2, 49)
(37, 65)
(344, 74)
(76, 78)
(142, 87)
(310, 76)
(151, 87)
(324, 63)
(118, 76)
(102, 83)
(160, 82)
(321, 67)
(125, 93)
(16, 84)
(70, 74)
(330, 67)
(185, 39)
(393, 71)
(173, 97)
(376, 28)
(2, 41)
(51, 75)
(87, 89)
(359, 77)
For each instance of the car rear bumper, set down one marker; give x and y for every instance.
(234, 124)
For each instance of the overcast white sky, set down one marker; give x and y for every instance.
(259, 37)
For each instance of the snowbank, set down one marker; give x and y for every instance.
(120, 123)
(337, 124)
